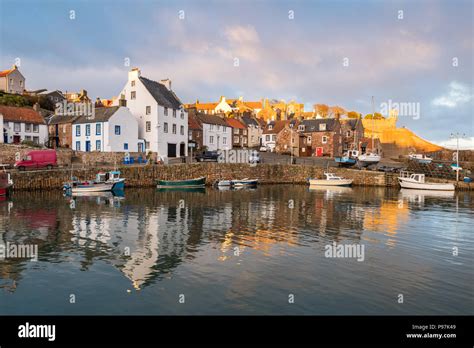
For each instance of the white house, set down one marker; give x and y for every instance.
(111, 129)
(162, 120)
(216, 133)
(12, 81)
(23, 124)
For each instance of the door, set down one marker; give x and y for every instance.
(16, 139)
(319, 151)
(171, 150)
(140, 147)
(88, 145)
(182, 150)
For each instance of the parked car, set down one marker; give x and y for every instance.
(207, 156)
(38, 159)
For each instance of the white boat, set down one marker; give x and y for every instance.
(331, 180)
(420, 158)
(245, 182)
(224, 183)
(417, 182)
(368, 158)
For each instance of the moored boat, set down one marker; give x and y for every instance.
(245, 182)
(331, 180)
(368, 158)
(112, 177)
(420, 158)
(417, 182)
(103, 182)
(189, 183)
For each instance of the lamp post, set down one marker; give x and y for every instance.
(456, 136)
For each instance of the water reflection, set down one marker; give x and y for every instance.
(147, 234)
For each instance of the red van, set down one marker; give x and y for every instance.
(38, 159)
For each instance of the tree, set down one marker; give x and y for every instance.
(378, 116)
(353, 114)
(336, 111)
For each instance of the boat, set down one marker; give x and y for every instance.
(244, 182)
(189, 183)
(102, 183)
(420, 158)
(345, 161)
(331, 180)
(224, 183)
(6, 183)
(417, 182)
(112, 177)
(368, 159)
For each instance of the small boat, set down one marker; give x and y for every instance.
(190, 183)
(345, 161)
(103, 182)
(420, 158)
(224, 183)
(6, 183)
(417, 182)
(368, 158)
(331, 180)
(112, 177)
(244, 182)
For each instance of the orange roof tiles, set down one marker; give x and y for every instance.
(25, 115)
(6, 72)
(234, 123)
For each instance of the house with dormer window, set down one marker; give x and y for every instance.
(162, 119)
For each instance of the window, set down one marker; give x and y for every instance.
(267, 138)
(11, 81)
(147, 145)
(224, 129)
(17, 127)
(190, 135)
(133, 95)
(348, 133)
(181, 130)
(28, 138)
(117, 130)
(308, 140)
(301, 127)
(97, 129)
(236, 139)
(166, 111)
(174, 128)
(148, 110)
(88, 130)
(174, 113)
(245, 140)
(148, 126)
(245, 132)
(211, 139)
(182, 114)
(78, 146)
(211, 127)
(274, 137)
(165, 127)
(125, 146)
(224, 140)
(324, 139)
(133, 83)
(322, 126)
(21, 83)
(78, 130)
(36, 128)
(36, 140)
(97, 145)
(236, 131)
(218, 128)
(270, 127)
(28, 127)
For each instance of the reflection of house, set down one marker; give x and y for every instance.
(162, 121)
(12, 81)
(112, 129)
(23, 124)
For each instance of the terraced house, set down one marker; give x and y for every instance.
(323, 136)
(162, 119)
(22, 124)
(217, 134)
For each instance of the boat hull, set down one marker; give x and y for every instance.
(92, 188)
(410, 184)
(244, 182)
(320, 182)
(191, 183)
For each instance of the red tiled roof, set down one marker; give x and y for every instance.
(15, 114)
(277, 126)
(6, 72)
(253, 105)
(234, 123)
(193, 123)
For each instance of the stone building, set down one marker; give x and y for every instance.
(352, 133)
(324, 135)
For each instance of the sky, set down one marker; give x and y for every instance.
(416, 53)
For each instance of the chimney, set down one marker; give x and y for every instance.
(134, 74)
(122, 101)
(166, 83)
(36, 107)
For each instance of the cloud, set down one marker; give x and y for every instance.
(464, 143)
(458, 94)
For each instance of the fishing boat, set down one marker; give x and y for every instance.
(189, 183)
(420, 158)
(102, 183)
(331, 180)
(244, 182)
(345, 161)
(112, 177)
(6, 183)
(417, 182)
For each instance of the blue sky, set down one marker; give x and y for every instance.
(407, 59)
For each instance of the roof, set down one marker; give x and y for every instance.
(352, 122)
(250, 121)
(205, 106)
(101, 115)
(211, 119)
(235, 123)
(162, 95)
(254, 105)
(313, 125)
(22, 115)
(62, 119)
(193, 123)
(4, 73)
(277, 126)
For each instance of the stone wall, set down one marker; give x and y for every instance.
(146, 176)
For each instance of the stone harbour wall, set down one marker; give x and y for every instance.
(146, 176)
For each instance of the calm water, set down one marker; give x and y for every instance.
(239, 252)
